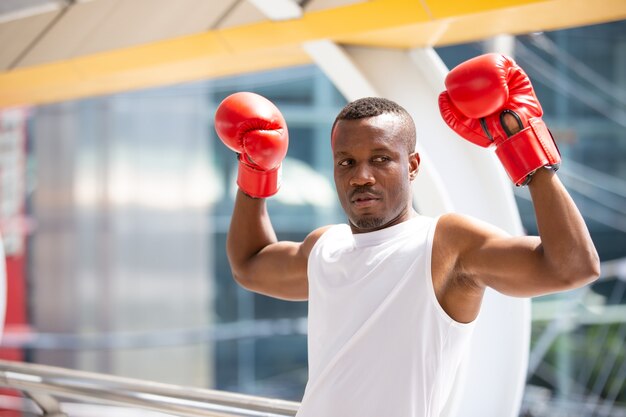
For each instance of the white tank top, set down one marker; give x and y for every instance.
(379, 342)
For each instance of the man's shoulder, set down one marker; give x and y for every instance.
(461, 230)
(312, 238)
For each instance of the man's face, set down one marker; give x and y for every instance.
(373, 171)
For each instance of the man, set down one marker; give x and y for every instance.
(393, 295)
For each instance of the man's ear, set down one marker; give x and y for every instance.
(414, 165)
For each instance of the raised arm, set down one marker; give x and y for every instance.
(260, 262)
(254, 128)
(562, 257)
(490, 102)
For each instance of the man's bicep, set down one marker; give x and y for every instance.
(512, 265)
(278, 270)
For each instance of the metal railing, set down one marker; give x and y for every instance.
(46, 385)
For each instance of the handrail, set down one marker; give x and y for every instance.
(41, 382)
(24, 337)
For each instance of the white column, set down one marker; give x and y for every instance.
(504, 44)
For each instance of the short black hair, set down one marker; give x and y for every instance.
(375, 106)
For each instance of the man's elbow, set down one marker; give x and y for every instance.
(584, 271)
(240, 272)
(243, 278)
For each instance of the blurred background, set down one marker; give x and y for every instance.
(114, 212)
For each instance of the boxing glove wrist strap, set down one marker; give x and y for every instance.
(257, 183)
(528, 150)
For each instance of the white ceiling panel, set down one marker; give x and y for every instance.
(243, 14)
(317, 5)
(19, 9)
(17, 35)
(137, 22)
(70, 32)
(99, 25)
(278, 9)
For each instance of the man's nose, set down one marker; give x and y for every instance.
(362, 175)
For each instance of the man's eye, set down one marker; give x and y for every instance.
(381, 159)
(345, 162)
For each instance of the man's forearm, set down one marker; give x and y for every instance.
(250, 231)
(567, 245)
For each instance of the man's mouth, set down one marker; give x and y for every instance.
(364, 199)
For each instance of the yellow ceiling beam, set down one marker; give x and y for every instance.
(266, 44)
(514, 20)
(99, 74)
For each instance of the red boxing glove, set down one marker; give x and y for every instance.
(252, 126)
(479, 93)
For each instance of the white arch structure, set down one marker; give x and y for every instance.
(454, 176)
